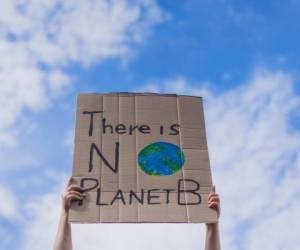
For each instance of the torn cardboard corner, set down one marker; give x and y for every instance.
(141, 158)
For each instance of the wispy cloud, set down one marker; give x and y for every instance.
(8, 206)
(39, 38)
(254, 147)
(255, 159)
(255, 156)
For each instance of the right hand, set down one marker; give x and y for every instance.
(71, 193)
(214, 201)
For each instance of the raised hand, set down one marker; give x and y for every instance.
(72, 192)
(214, 201)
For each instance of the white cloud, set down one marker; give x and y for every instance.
(253, 147)
(58, 82)
(87, 31)
(8, 204)
(255, 158)
(255, 155)
(39, 37)
(277, 232)
(177, 85)
(46, 214)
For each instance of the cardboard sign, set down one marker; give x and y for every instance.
(141, 158)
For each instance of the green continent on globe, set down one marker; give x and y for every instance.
(161, 158)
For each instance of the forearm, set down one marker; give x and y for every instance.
(212, 241)
(63, 239)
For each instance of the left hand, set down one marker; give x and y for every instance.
(71, 193)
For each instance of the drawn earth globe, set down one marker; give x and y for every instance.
(161, 158)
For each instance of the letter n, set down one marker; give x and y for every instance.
(94, 148)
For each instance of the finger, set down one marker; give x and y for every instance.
(215, 208)
(213, 189)
(72, 197)
(77, 193)
(213, 205)
(215, 202)
(212, 194)
(75, 187)
(214, 199)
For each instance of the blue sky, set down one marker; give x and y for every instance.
(241, 56)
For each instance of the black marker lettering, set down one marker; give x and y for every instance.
(174, 129)
(118, 196)
(132, 128)
(161, 129)
(105, 126)
(145, 129)
(191, 191)
(149, 197)
(98, 200)
(95, 148)
(84, 180)
(168, 190)
(139, 199)
(91, 119)
(82, 185)
(121, 129)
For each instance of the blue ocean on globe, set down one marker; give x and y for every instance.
(161, 158)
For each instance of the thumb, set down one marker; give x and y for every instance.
(213, 189)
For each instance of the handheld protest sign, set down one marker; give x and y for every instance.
(141, 158)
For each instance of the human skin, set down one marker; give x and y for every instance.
(63, 239)
(212, 241)
(73, 192)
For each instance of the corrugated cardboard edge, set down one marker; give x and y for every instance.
(136, 94)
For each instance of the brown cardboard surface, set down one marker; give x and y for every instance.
(125, 182)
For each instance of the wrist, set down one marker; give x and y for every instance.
(64, 213)
(212, 226)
